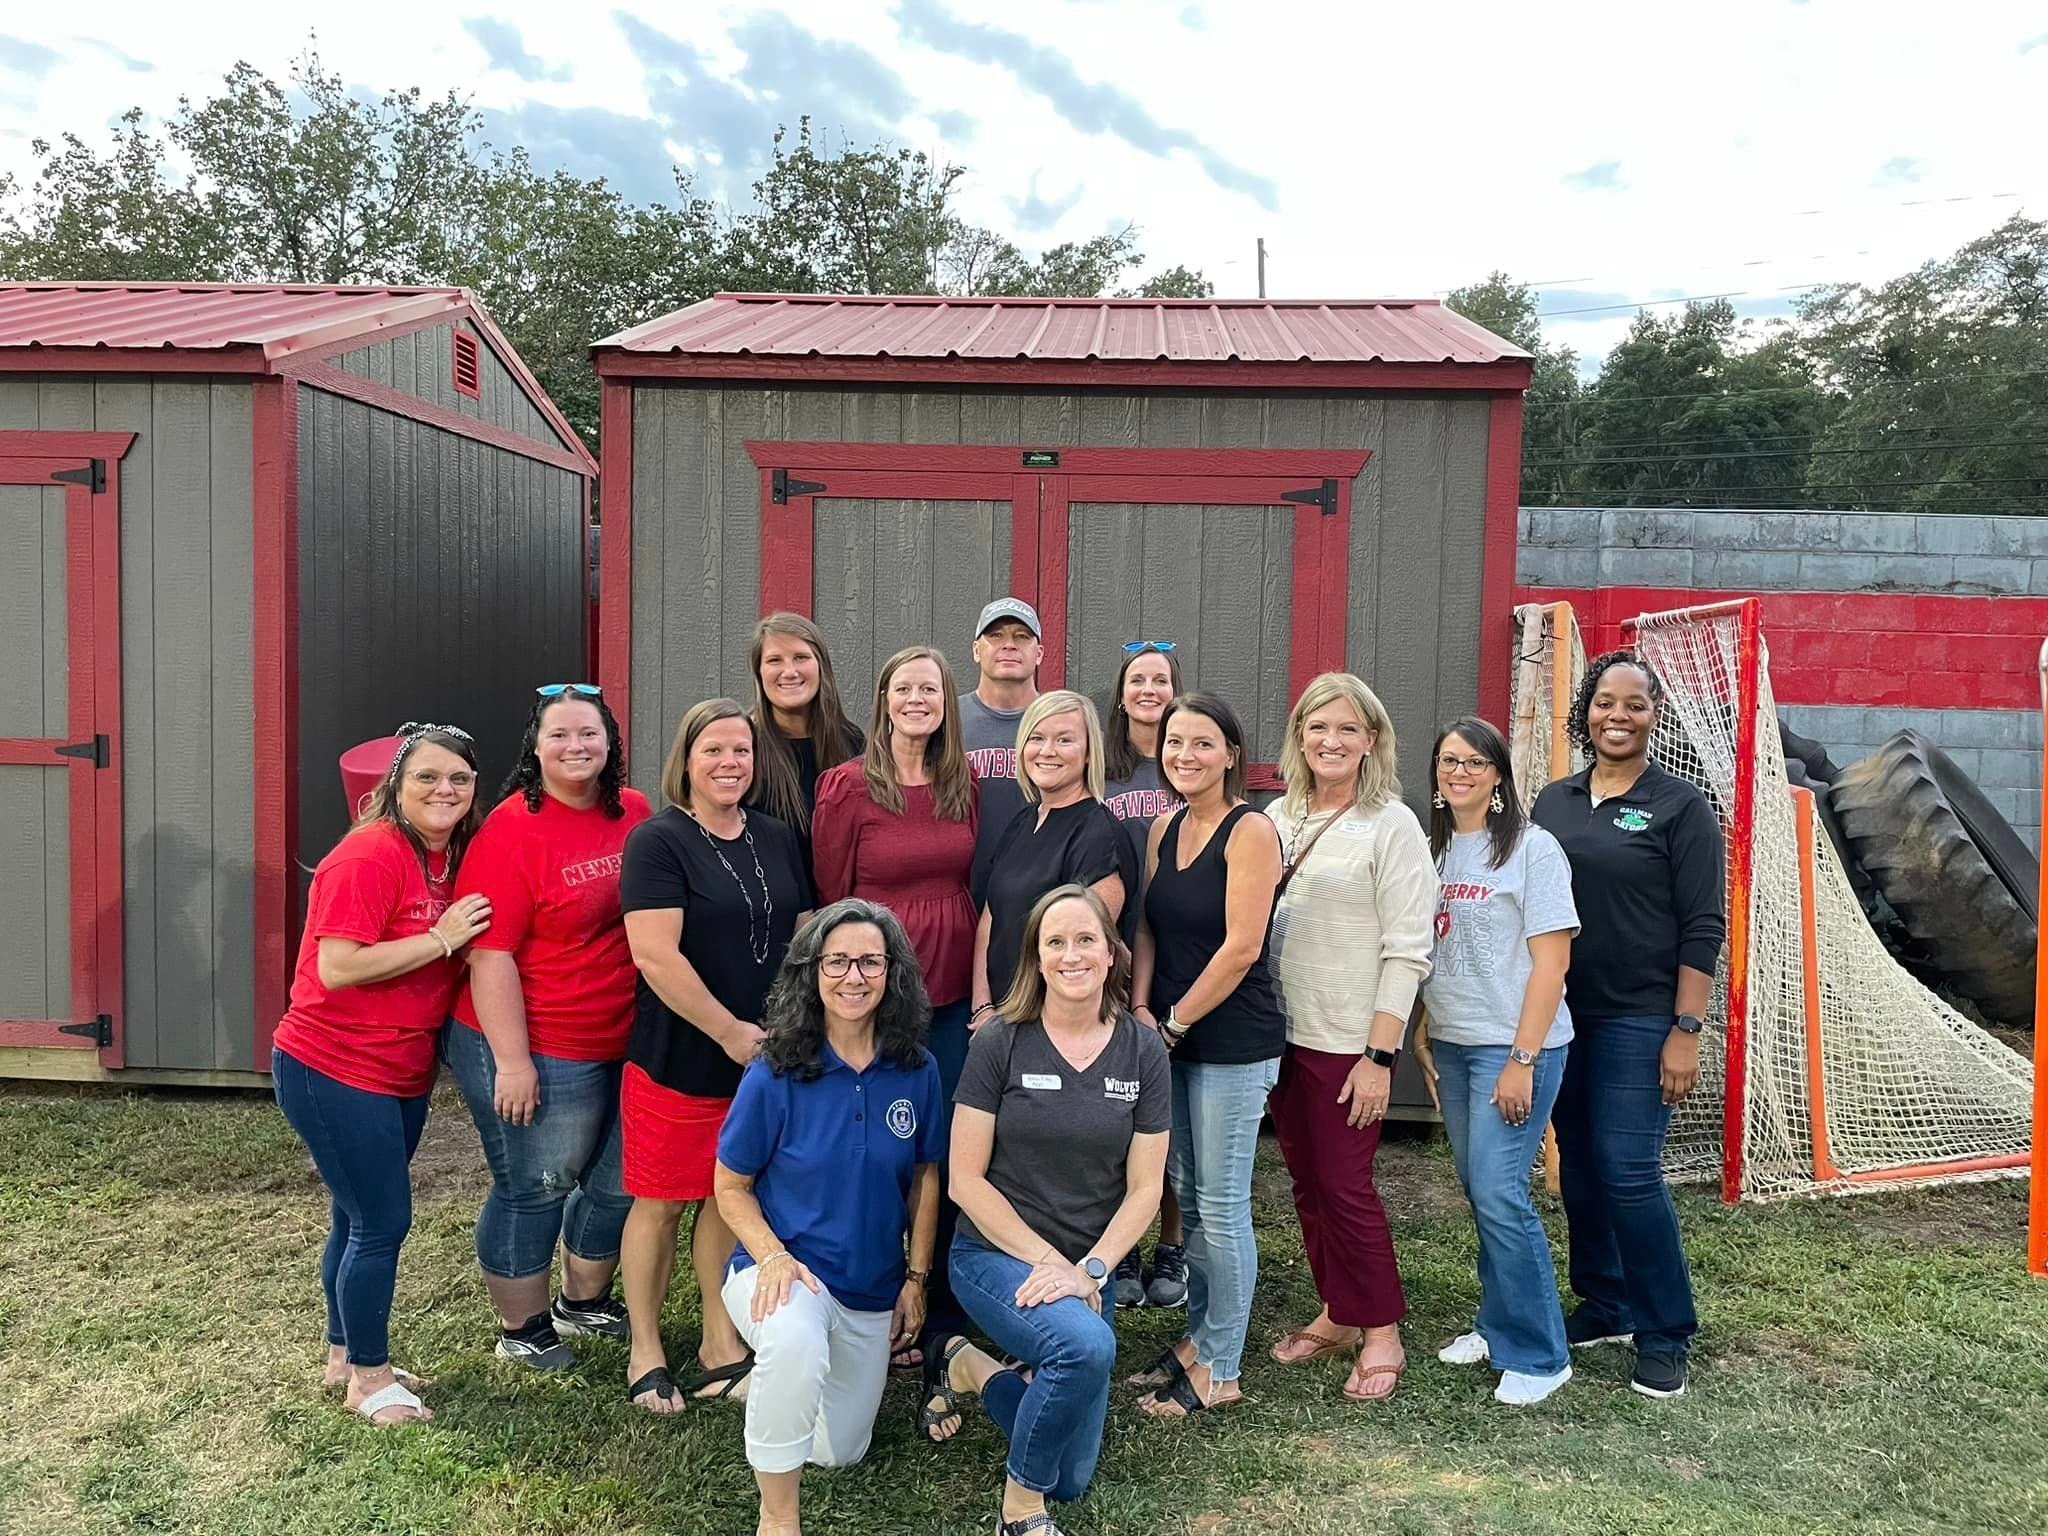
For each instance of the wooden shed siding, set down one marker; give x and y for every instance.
(439, 580)
(35, 695)
(1417, 528)
(188, 775)
(422, 363)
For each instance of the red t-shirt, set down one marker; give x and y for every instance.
(379, 1036)
(916, 865)
(553, 879)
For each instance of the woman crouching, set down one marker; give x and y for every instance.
(1058, 1157)
(831, 1141)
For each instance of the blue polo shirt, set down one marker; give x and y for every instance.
(831, 1162)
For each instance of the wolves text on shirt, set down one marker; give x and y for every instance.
(1142, 804)
(994, 762)
(1464, 929)
(1123, 1089)
(606, 868)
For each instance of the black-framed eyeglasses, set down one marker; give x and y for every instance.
(422, 727)
(581, 690)
(836, 966)
(1470, 764)
(1132, 647)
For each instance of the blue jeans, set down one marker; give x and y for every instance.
(558, 1177)
(362, 1143)
(1054, 1421)
(1627, 1265)
(947, 1040)
(1216, 1111)
(1519, 1316)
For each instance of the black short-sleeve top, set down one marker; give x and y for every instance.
(1079, 844)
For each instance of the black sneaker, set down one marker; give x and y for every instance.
(603, 1318)
(1659, 1375)
(1129, 1280)
(535, 1345)
(1583, 1331)
(1169, 1284)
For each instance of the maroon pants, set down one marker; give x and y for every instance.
(1343, 1225)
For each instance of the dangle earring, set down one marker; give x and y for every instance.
(1496, 803)
(1437, 799)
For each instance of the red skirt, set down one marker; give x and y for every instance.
(668, 1140)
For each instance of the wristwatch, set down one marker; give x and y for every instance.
(1688, 1023)
(1520, 1057)
(1095, 1270)
(1380, 1058)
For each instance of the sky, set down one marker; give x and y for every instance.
(1614, 155)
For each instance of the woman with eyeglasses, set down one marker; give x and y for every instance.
(712, 893)
(1499, 1036)
(539, 1030)
(1350, 948)
(829, 1156)
(1137, 796)
(799, 723)
(352, 1061)
(896, 826)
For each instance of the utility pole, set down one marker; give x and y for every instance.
(1262, 266)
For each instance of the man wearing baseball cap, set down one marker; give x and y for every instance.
(1006, 653)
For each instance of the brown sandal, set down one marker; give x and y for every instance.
(1367, 1374)
(1324, 1345)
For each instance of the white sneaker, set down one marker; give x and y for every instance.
(1520, 1390)
(1465, 1349)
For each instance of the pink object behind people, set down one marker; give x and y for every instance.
(363, 768)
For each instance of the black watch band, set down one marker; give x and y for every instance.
(1380, 1058)
(1688, 1023)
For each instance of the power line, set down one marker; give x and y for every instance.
(1877, 445)
(1788, 453)
(1585, 401)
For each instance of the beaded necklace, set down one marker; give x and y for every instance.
(758, 943)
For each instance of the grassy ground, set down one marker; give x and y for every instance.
(1878, 1365)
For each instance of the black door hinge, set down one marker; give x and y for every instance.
(781, 487)
(99, 751)
(92, 475)
(1324, 496)
(99, 1030)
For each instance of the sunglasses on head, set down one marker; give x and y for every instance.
(1131, 648)
(581, 690)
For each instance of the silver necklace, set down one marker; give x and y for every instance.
(757, 942)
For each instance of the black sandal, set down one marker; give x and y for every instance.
(1179, 1389)
(1167, 1365)
(726, 1378)
(658, 1381)
(937, 1364)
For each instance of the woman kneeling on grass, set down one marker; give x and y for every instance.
(832, 1139)
(353, 1059)
(1056, 1179)
(1498, 1038)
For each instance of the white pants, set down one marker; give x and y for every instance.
(819, 1370)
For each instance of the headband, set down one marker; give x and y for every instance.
(412, 731)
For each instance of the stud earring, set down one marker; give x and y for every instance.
(1497, 803)
(1437, 799)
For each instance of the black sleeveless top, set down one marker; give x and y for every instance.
(1185, 909)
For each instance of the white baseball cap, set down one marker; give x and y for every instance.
(1010, 608)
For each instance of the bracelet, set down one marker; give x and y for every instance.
(984, 1008)
(447, 949)
(920, 1276)
(780, 1253)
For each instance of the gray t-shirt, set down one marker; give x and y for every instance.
(990, 737)
(1139, 801)
(1063, 1138)
(1485, 917)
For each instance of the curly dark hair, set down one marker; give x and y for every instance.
(524, 779)
(794, 1015)
(1577, 726)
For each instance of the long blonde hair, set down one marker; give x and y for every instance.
(1377, 781)
(945, 755)
(1025, 1001)
(1062, 701)
(776, 789)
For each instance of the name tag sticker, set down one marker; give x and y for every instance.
(1041, 1080)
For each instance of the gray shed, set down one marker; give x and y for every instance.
(241, 530)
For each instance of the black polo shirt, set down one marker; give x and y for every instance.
(1646, 877)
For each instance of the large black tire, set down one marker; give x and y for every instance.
(1808, 753)
(1960, 879)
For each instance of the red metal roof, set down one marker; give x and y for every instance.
(277, 318)
(1154, 331)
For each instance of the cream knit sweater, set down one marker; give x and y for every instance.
(1351, 934)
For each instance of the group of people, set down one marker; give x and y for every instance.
(926, 1025)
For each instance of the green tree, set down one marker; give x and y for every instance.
(1939, 380)
(1508, 309)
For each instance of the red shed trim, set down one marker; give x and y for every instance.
(275, 685)
(615, 517)
(384, 397)
(1506, 373)
(1007, 459)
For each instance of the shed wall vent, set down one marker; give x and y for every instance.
(467, 374)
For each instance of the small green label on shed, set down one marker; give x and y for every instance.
(1041, 458)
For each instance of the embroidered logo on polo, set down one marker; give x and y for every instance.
(902, 1119)
(1123, 1090)
(1629, 819)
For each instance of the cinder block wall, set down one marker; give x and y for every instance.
(1875, 623)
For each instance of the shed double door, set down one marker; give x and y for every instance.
(1242, 572)
(60, 779)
